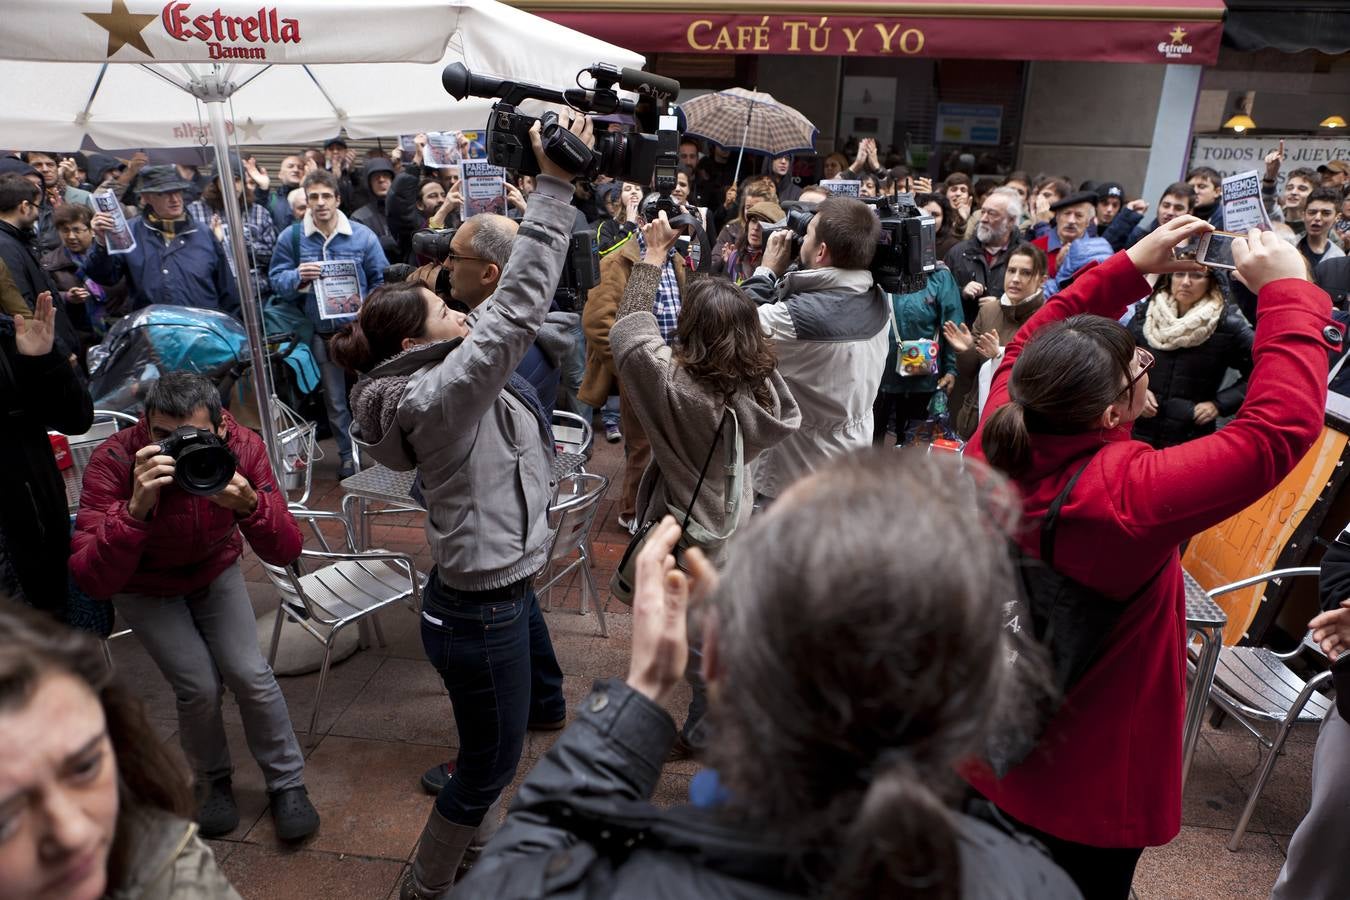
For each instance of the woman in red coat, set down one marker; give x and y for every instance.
(1104, 781)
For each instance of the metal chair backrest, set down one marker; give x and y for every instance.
(573, 511)
(571, 433)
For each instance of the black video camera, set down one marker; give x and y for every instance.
(907, 248)
(432, 243)
(630, 156)
(794, 223)
(203, 465)
(906, 251)
(581, 272)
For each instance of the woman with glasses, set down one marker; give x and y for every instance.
(92, 307)
(1104, 779)
(1194, 336)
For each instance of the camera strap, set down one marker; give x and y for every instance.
(704, 263)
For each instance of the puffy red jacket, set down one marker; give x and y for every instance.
(1108, 769)
(188, 540)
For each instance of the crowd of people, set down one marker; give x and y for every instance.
(864, 732)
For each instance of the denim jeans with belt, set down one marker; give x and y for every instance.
(494, 654)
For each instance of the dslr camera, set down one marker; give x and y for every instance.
(203, 465)
(906, 251)
(630, 156)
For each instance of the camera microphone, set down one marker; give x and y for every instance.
(658, 87)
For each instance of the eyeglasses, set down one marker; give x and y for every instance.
(454, 257)
(1145, 360)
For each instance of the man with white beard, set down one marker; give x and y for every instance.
(978, 264)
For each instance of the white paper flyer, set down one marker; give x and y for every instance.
(483, 187)
(337, 290)
(842, 187)
(1242, 206)
(120, 239)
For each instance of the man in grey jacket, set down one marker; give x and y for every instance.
(828, 320)
(455, 410)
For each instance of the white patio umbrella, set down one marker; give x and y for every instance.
(146, 74)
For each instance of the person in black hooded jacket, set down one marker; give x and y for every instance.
(379, 175)
(39, 390)
(1195, 335)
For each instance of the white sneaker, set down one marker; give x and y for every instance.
(628, 523)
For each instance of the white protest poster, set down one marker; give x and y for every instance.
(120, 239)
(337, 290)
(1242, 206)
(408, 144)
(842, 187)
(483, 187)
(1230, 155)
(442, 149)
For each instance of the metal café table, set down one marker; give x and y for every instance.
(394, 490)
(1206, 620)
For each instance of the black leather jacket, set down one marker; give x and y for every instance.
(582, 827)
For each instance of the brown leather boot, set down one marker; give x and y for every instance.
(439, 853)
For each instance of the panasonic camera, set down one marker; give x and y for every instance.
(202, 464)
(630, 156)
(581, 269)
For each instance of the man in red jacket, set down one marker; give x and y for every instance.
(169, 562)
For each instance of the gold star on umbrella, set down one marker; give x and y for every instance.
(252, 130)
(123, 27)
(1177, 34)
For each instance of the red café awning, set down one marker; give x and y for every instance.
(1136, 31)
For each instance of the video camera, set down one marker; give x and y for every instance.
(630, 156)
(906, 251)
(581, 269)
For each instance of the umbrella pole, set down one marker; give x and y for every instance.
(214, 98)
(736, 179)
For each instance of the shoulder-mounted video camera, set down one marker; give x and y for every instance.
(906, 251)
(631, 156)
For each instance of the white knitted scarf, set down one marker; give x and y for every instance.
(1166, 330)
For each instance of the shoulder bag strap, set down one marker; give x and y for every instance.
(698, 486)
(1051, 520)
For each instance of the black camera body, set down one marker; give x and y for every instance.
(203, 465)
(581, 272)
(907, 248)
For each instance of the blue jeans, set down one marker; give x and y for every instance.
(334, 396)
(494, 654)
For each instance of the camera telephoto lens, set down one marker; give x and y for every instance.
(203, 465)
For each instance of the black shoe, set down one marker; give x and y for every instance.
(293, 815)
(218, 815)
(435, 778)
(680, 750)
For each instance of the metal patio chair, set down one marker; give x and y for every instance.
(1254, 684)
(342, 588)
(571, 516)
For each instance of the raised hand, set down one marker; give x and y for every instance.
(987, 344)
(1263, 257)
(34, 337)
(958, 336)
(660, 601)
(659, 237)
(1155, 252)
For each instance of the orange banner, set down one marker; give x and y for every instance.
(1250, 542)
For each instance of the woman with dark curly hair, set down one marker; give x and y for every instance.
(715, 397)
(92, 804)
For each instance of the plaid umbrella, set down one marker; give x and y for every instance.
(750, 120)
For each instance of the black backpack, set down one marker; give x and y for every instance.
(1060, 622)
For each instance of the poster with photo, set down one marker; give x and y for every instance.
(842, 187)
(337, 290)
(408, 144)
(483, 187)
(442, 149)
(120, 239)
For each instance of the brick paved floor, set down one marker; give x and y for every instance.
(385, 719)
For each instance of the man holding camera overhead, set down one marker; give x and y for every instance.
(165, 509)
(828, 320)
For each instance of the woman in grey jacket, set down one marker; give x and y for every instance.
(441, 397)
(715, 396)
